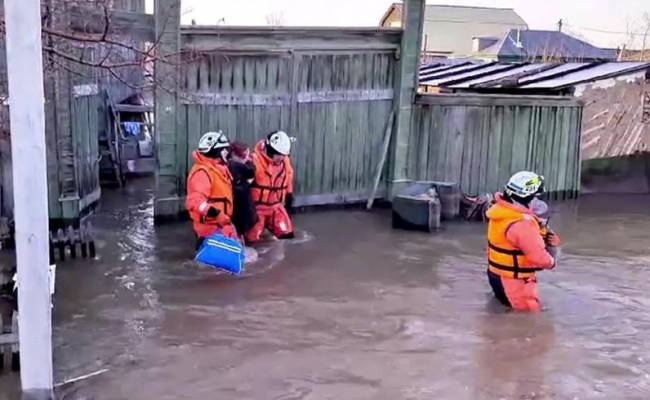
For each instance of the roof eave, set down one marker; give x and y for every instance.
(393, 7)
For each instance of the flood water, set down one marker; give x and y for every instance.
(353, 310)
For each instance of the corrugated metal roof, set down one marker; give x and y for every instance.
(556, 69)
(479, 71)
(442, 72)
(588, 74)
(497, 77)
(533, 44)
(523, 76)
(430, 71)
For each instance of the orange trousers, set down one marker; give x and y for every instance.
(274, 218)
(519, 294)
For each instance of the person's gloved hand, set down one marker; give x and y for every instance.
(217, 216)
(223, 219)
(288, 203)
(552, 239)
(555, 253)
(213, 212)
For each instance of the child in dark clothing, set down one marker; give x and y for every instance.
(243, 172)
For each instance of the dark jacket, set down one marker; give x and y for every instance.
(244, 212)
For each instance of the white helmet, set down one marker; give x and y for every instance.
(280, 142)
(213, 140)
(525, 184)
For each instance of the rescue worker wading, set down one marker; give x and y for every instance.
(519, 244)
(272, 189)
(209, 188)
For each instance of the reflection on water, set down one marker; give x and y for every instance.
(354, 310)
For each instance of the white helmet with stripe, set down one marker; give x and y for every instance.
(213, 141)
(280, 142)
(525, 184)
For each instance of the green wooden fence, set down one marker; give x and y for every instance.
(479, 141)
(70, 195)
(335, 101)
(85, 130)
(335, 90)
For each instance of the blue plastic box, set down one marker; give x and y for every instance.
(218, 251)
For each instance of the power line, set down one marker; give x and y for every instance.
(513, 25)
(607, 31)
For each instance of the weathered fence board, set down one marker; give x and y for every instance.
(482, 143)
(85, 111)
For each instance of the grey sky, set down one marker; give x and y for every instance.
(585, 18)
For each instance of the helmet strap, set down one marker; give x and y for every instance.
(224, 154)
(515, 199)
(213, 153)
(270, 151)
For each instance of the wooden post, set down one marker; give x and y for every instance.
(66, 153)
(27, 118)
(382, 160)
(168, 19)
(406, 88)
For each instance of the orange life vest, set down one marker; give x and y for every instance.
(272, 181)
(221, 196)
(503, 258)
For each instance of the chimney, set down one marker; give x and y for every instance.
(621, 53)
(518, 43)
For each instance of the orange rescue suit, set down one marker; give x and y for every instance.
(272, 181)
(504, 259)
(209, 184)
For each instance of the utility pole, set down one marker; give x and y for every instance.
(169, 145)
(27, 118)
(406, 86)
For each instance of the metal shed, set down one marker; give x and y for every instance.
(616, 95)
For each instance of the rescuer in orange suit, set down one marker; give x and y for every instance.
(209, 188)
(272, 188)
(519, 243)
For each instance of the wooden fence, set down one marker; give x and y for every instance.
(74, 114)
(332, 90)
(85, 130)
(479, 141)
(335, 90)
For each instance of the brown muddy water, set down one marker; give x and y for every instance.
(353, 310)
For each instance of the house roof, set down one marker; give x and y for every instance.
(480, 15)
(532, 44)
(393, 7)
(495, 77)
(450, 29)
